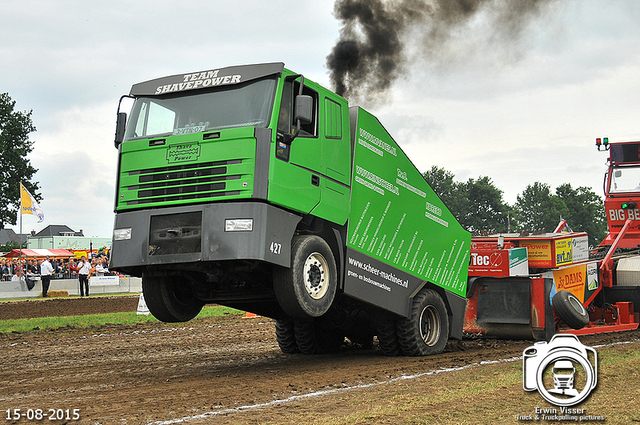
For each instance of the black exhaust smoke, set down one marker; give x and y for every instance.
(370, 52)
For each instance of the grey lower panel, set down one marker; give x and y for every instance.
(457, 306)
(384, 286)
(380, 284)
(269, 239)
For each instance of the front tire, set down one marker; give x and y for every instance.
(308, 288)
(168, 299)
(426, 331)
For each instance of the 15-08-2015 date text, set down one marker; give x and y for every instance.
(43, 414)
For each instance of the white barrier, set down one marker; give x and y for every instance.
(104, 280)
(116, 284)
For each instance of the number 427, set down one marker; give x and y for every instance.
(275, 248)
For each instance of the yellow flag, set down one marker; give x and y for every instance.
(28, 204)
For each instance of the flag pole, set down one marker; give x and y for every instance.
(20, 236)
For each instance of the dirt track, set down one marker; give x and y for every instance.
(154, 372)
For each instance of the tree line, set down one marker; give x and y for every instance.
(15, 167)
(479, 206)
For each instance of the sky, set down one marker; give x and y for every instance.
(518, 109)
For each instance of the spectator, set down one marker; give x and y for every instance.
(17, 275)
(100, 268)
(32, 267)
(46, 270)
(73, 269)
(31, 274)
(84, 269)
(6, 273)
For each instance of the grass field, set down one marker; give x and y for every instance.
(86, 321)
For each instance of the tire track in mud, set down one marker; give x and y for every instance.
(355, 387)
(141, 374)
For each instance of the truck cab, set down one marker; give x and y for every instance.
(622, 192)
(216, 171)
(253, 187)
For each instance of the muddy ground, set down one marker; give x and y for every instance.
(209, 370)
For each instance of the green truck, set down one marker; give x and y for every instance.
(253, 187)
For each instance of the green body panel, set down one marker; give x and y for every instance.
(397, 220)
(334, 205)
(291, 188)
(180, 170)
(325, 156)
(171, 173)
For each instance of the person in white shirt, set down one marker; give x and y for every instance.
(46, 270)
(100, 268)
(84, 268)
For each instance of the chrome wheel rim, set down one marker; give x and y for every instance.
(316, 279)
(430, 325)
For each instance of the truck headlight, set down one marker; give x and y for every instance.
(238, 225)
(122, 234)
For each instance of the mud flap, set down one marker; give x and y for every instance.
(456, 306)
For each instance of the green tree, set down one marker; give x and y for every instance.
(585, 211)
(11, 245)
(15, 145)
(484, 209)
(476, 204)
(441, 181)
(537, 209)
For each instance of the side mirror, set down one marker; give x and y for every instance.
(304, 108)
(121, 123)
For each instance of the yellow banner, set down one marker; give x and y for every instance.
(28, 204)
(572, 279)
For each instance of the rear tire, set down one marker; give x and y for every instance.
(388, 337)
(285, 335)
(168, 299)
(426, 331)
(308, 288)
(317, 337)
(570, 309)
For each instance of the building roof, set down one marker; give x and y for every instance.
(8, 235)
(57, 230)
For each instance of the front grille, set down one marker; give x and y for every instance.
(208, 169)
(182, 182)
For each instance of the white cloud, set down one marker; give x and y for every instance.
(76, 164)
(517, 110)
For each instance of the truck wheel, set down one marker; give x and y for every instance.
(168, 300)
(388, 337)
(307, 288)
(426, 331)
(570, 309)
(317, 337)
(285, 335)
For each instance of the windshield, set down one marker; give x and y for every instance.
(237, 106)
(625, 179)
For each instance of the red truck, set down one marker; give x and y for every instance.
(533, 286)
